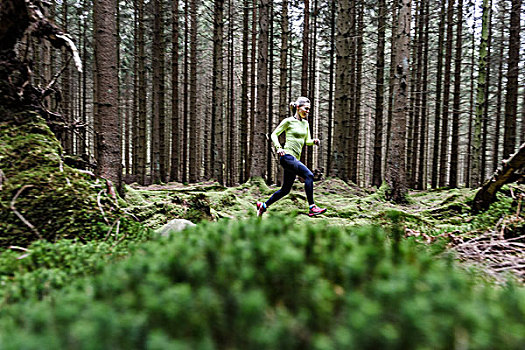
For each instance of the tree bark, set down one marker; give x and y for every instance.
(194, 170)
(395, 175)
(258, 168)
(454, 151)
(437, 110)
(481, 94)
(511, 97)
(107, 128)
(175, 118)
(342, 81)
(217, 114)
(377, 174)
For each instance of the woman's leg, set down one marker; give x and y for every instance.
(288, 180)
(308, 176)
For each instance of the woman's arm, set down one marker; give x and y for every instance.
(308, 138)
(278, 131)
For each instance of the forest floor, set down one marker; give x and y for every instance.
(492, 241)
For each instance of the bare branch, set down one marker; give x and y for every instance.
(20, 216)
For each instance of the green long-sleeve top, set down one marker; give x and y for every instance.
(297, 134)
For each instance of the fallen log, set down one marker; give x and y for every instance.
(511, 170)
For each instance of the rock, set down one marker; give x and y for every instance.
(173, 226)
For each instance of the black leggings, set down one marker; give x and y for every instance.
(292, 168)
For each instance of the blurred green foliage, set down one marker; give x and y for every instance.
(273, 284)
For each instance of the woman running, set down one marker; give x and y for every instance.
(297, 135)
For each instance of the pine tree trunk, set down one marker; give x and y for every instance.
(217, 114)
(175, 119)
(423, 137)
(243, 150)
(283, 67)
(252, 89)
(443, 154)
(232, 154)
(468, 161)
(269, 158)
(414, 150)
(342, 80)
(511, 96)
(454, 152)
(485, 120)
(107, 128)
(358, 80)
(305, 48)
(259, 143)
(194, 126)
(185, 97)
(438, 104)
(67, 111)
(499, 93)
(143, 146)
(395, 174)
(157, 100)
(329, 142)
(377, 174)
(481, 94)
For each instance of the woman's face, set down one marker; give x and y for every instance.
(303, 110)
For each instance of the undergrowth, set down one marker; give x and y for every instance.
(274, 284)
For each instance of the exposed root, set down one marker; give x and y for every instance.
(20, 216)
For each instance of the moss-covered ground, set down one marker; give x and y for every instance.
(428, 215)
(431, 212)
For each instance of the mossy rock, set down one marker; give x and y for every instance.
(39, 190)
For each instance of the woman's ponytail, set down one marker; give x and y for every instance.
(293, 107)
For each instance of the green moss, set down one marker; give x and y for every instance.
(57, 200)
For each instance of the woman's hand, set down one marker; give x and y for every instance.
(317, 142)
(281, 152)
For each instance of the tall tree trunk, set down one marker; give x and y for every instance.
(305, 47)
(468, 161)
(312, 57)
(283, 68)
(395, 174)
(157, 135)
(269, 160)
(67, 111)
(252, 88)
(391, 74)
(107, 128)
(194, 126)
(423, 138)
(485, 120)
(377, 174)
(454, 152)
(143, 148)
(481, 95)
(175, 119)
(259, 142)
(511, 96)
(243, 150)
(329, 142)
(342, 81)
(351, 128)
(437, 110)
(499, 92)
(185, 97)
(443, 155)
(414, 150)
(232, 154)
(357, 91)
(217, 114)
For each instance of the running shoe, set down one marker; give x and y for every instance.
(315, 210)
(261, 208)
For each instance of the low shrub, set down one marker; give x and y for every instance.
(273, 284)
